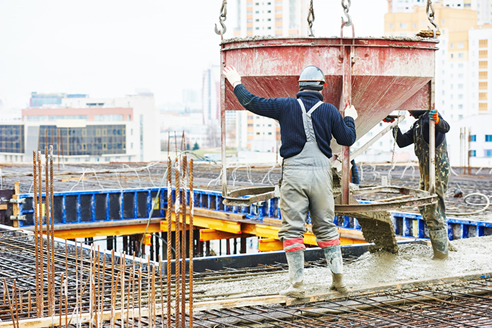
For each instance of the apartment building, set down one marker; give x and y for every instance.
(271, 18)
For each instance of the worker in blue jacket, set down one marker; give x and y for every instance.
(307, 125)
(434, 215)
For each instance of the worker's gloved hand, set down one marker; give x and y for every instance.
(232, 76)
(434, 115)
(351, 112)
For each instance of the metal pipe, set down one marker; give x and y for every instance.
(346, 101)
(223, 123)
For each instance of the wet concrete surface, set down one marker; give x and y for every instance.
(414, 262)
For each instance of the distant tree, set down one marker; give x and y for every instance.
(187, 146)
(196, 146)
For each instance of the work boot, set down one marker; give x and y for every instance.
(333, 256)
(439, 240)
(296, 274)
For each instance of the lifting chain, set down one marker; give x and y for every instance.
(310, 19)
(222, 18)
(346, 7)
(430, 15)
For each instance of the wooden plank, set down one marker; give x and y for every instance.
(212, 234)
(108, 231)
(398, 286)
(268, 245)
(211, 223)
(3, 206)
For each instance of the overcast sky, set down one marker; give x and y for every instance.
(110, 48)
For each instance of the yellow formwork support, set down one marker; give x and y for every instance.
(212, 234)
(269, 245)
(107, 231)
(216, 224)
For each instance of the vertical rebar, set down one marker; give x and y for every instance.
(103, 274)
(48, 240)
(112, 288)
(91, 287)
(153, 298)
(35, 221)
(177, 247)
(169, 243)
(60, 302)
(6, 292)
(52, 216)
(133, 290)
(184, 166)
(140, 295)
(149, 291)
(29, 305)
(191, 228)
(40, 230)
(122, 270)
(162, 291)
(16, 305)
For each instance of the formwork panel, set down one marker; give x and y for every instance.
(128, 205)
(71, 209)
(114, 206)
(86, 208)
(100, 206)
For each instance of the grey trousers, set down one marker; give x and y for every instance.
(307, 187)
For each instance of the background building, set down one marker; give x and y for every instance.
(86, 129)
(271, 18)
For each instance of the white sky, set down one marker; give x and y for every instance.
(110, 48)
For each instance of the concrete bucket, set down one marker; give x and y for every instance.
(376, 75)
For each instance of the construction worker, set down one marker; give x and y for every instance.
(306, 128)
(434, 215)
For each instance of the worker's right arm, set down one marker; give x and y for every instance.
(403, 139)
(269, 107)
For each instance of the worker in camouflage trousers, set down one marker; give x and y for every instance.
(434, 215)
(307, 125)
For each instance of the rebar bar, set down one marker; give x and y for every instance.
(177, 234)
(169, 240)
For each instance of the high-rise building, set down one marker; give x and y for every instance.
(482, 7)
(453, 83)
(211, 95)
(271, 18)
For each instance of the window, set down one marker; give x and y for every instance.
(473, 138)
(461, 45)
(483, 75)
(483, 43)
(482, 85)
(461, 55)
(473, 153)
(488, 152)
(488, 138)
(451, 45)
(403, 25)
(391, 26)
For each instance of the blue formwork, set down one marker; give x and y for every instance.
(128, 204)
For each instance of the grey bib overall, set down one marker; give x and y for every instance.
(307, 187)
